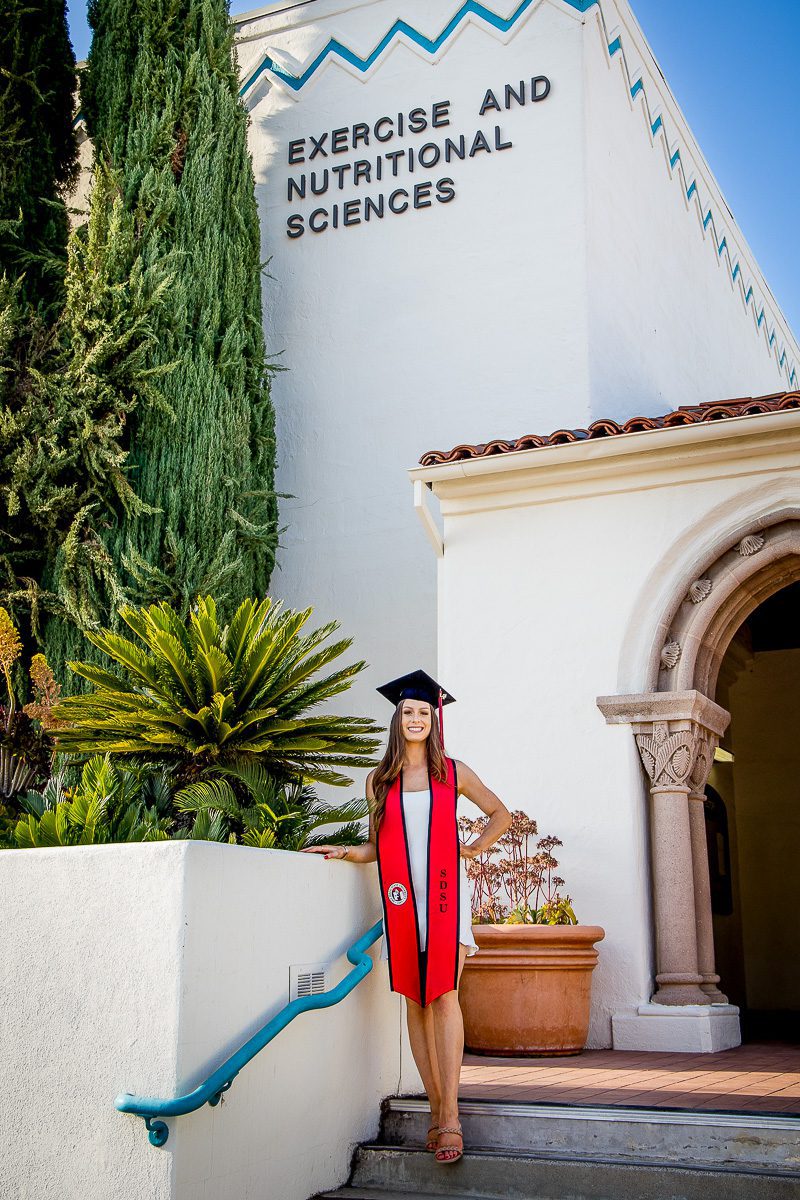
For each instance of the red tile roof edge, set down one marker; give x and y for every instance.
(606, 427)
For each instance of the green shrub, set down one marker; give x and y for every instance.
(106, 805)
(129, 801)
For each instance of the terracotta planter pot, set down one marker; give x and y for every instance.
(527, 990)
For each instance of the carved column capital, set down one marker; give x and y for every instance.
(705, 749)
(667, 752)
(676, 733)
(676, 754)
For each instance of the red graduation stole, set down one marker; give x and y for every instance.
(422, 975)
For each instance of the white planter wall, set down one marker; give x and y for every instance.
(140, 968)
(91, 952)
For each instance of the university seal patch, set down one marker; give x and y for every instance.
(397, 893)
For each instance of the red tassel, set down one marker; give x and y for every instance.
(441, 718)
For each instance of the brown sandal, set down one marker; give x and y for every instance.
(454, 1152)
(431, 1142)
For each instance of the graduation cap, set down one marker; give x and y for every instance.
(418, 685)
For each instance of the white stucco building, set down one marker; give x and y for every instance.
(491, 220)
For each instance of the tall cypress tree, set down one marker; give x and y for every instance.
(160, 96)
(76, 315)
(38, 155)
(67, 392)
(38, 167)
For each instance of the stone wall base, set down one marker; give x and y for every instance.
(688, 1028)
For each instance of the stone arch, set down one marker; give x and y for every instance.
(703, 540)
(751, 563)
(677, 723)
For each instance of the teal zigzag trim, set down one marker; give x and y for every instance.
(432, 45)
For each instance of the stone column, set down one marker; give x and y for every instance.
(676, 733)
(704, 759)
(668, 749)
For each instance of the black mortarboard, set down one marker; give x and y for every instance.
(417, 686)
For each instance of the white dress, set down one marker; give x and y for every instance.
(416, 807)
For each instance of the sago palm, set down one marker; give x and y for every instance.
(201, 695)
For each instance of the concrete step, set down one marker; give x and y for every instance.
(564, 1152)
(388, 1172)
(348, 1193)
(640, 1136)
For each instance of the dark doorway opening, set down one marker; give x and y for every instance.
(753, 822)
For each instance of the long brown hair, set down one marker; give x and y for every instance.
(391, 764)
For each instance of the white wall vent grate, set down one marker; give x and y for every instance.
(308, 979)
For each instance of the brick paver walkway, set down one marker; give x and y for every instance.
(753, 1078)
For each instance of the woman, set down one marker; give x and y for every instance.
(413, 834)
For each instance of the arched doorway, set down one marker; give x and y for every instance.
(753, 820)
(678, 721)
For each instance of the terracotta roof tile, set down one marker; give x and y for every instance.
(689, 414)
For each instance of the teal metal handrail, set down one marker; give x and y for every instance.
(211, 1089)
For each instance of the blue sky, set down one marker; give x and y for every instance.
(732, 66)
